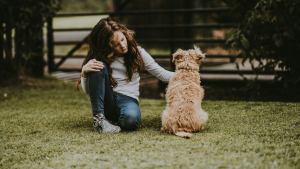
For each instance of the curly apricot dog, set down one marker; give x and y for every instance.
(183, 114)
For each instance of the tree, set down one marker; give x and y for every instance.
(26, 19)
(269, 33)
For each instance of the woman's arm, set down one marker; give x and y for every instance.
(152, 67)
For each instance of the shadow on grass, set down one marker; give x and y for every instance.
(84, 124)
(150, 122)
(154, 123)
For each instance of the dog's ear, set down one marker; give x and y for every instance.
(199, 52)
(178, 55)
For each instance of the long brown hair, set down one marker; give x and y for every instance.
(99, 48)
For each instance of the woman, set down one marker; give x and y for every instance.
(110, 75)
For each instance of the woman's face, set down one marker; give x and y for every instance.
(119, 43)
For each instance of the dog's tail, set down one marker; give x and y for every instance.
(184, 134)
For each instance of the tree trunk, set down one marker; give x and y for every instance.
(36, 63)
(7, 69)
(19, 50)
(1, 41)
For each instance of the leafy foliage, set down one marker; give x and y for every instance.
(24, 19)
(269, 33)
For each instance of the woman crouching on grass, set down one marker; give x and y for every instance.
(111, 74)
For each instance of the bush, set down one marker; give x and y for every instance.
(269, 33)
(26, 19)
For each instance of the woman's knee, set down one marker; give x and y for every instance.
(102, 72)
(131, 120)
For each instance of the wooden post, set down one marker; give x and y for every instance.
(161, 85)
(204, 16)
(50, 44)
(172, 35)
(188, 20)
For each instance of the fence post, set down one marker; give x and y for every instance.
(172, 35)
(161, 85)
(50, 44)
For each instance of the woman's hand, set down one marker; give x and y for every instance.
(92, 66)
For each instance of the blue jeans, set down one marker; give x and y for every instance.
(115, 106)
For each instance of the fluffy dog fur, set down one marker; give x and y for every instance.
(183, 114)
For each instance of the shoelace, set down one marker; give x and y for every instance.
(100, 117)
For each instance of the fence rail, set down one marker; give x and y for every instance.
(171, 40)
(247, 72)
(164, 56)
(193, 26)
(169, 11)
(158, 41)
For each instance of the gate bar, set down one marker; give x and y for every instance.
(50, 44)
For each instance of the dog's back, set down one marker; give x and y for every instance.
(183, 113)
(183, 100)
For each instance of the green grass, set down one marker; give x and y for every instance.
(48, 124)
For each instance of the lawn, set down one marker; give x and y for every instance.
(48, 124)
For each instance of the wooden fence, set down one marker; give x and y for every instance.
(171, 40)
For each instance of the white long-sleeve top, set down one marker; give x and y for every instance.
(131, 88)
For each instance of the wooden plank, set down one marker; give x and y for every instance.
(210, 25)
(161, 56)
(236, 72)
(158, 41)
(178, 26)
(143, 12)
(205, 71)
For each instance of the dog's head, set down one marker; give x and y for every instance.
(189, 60)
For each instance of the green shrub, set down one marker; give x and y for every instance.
(269, 33)
(25, 20)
